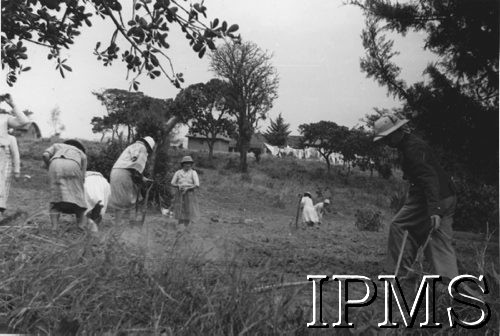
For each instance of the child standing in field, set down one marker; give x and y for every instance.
(10, 165)
(309, 214)
(186, 202)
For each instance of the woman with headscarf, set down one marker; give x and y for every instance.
(67, 164)
(186, 181)
(126, 177)
(9, 154)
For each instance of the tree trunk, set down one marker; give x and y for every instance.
(210, 150)
(244, 146)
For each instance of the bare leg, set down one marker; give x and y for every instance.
(54, 218)
(81, 220)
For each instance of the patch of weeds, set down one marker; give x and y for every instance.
(368, 220)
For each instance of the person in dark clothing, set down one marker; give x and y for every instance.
(430, 202)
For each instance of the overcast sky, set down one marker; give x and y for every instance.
(316, 46)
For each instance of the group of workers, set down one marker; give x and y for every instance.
(312, 214)
(87, 194)
(427, 212)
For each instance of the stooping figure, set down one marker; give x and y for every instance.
(97, 193)
(186, 182)
(309, 214)
(67, 164)
(126, 178)
(429, 206)
(321, 208)
(10, 164)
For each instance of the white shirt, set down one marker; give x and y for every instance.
(186, 178)
(133, 157)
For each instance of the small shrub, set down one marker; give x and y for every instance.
(232, 164)
(368, 220)
(102, 158)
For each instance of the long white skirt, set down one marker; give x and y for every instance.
(309, 214)
(5, 175)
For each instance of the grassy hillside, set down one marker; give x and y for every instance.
(206, 282)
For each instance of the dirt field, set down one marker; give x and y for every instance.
(247, 221)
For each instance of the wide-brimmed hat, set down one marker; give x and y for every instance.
(149, 141)
(187, 159)
(307, 193)
(385, 125)
(326, 201)
(75, 143)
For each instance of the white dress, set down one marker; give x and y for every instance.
(309, 214)
(9, 159)
(97, 191)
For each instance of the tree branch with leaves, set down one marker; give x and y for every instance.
(55, 25)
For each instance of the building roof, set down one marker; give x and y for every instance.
(199, 136)
(294, 141)
(257, 141)
(27, 127)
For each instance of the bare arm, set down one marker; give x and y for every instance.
(19, 119)
(174, 181)
(16, 160)
(46, 158)
(47, 155)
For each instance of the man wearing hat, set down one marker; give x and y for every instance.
(430, 202)
(186, 181)
(126, 177)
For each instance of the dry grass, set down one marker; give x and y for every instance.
(53, 283)
(75, 282)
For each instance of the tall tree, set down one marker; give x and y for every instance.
(278, 131)
(55, 121)
(456, 108)
(207, 107)
(326, 136)
(253, 84)
(55, 24)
